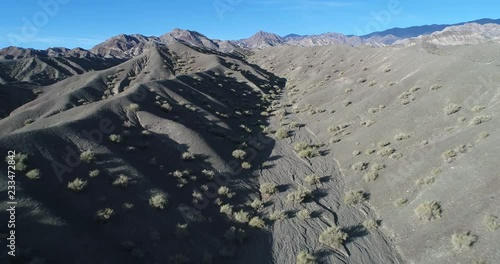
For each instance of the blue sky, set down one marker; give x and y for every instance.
(77, 23)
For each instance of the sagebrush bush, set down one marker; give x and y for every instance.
(300, 146)
(425, 181)
(377, 167)
(428, 211)
(268, 188)
(20, 160)
(277, 215)
(449, 155)
(158, 200)
(226, 209)
(370, 224)
(115, 138)
(491, 222)
(256, 222)
(386, 151)
(282, 133)
(77, 185)
(402, 136)
(239, 154)
(133, 107)
(333, 237)
(299, 195)
(304, 214)
(462, 240)
(94, 173)
(166, 107)
(452, 108)
(257, 204)
(310, 152)
(370, 176)
(354, 197)
(359, 166)
(477, 120)
(305, 258)
(312, 179)
(478, 108)
(188, 156)
(104, 215)
(33, 174)
(225, 191)
(87, 156)
(241, 216)
(246, 165)
(121, 181)
(401, 201)
(382, 144)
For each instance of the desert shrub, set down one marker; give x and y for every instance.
(449, 155)
(477, 120)
(181, 231)
(226, 209)
(77, 185)
(121, 181)
(20, 161)
(436, 87)
(87, 156)
(386, 151)
(348, 90)
(400, 202)
(370, 225)
(354, 197)
(208, 173)
(491, 222)
(370, 151)
(452, 108)
(356, 153)
(158, 200)
(304, 214)
(333, 237)
(370, 176)
(188, 156)
(377, 167)
(197, 196)
(382, 144)
(402, 136)
(282, 133)
(310, 152)
(478, 108)
(246, 165)
(133, 107)
(300, 146)
(367, 123)
(104, 215)
(268, 188)
(94, 173)
(241, 216)
(28, 121)
(257, 204)
(277, 215)
(373, 110)
(256, 222)
(334, 140)
(414, 89)
(233, 234)
(225, 191)
(396, 156)
(462, 240)
(166, 107)
(428, 211)
(33, 174)
(484, 134)
(425, 181)
(305, 258)
(115, 138)
(239, 154)
(299, 195)
(312, 179)
(361, 80)
(346, 103)
(359, 166)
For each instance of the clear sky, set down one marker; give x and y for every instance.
(78, 23)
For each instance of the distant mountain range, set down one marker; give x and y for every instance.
(128, 46)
